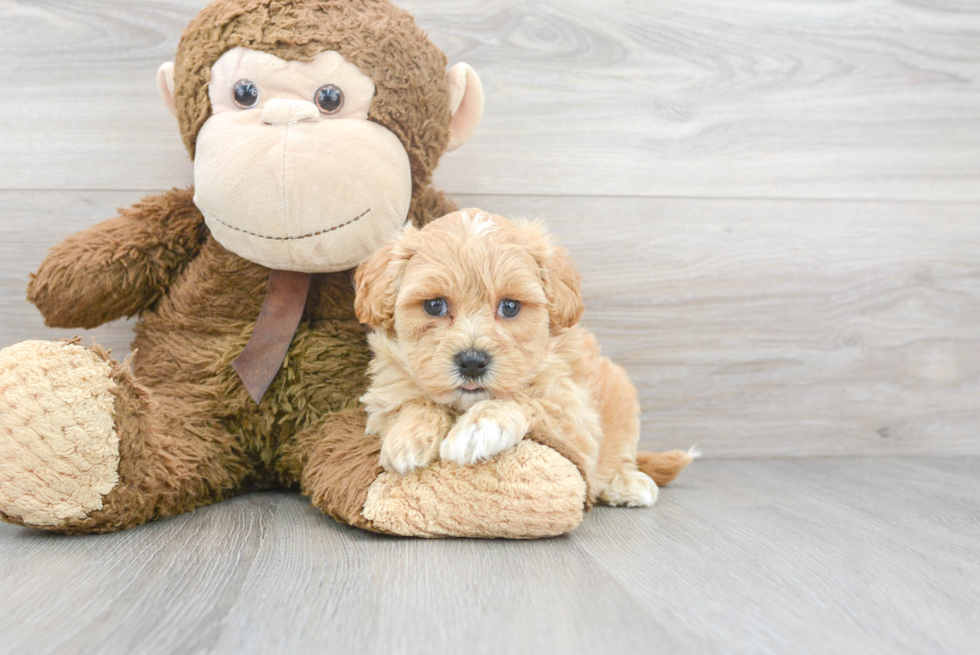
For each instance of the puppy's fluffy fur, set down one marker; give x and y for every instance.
(544, 373)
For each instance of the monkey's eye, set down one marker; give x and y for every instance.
(329, 98)
(246, 94)
(509, 308)
(435, 308)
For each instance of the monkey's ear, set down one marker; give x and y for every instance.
(465, 103)
(376, 282)
(165, 85)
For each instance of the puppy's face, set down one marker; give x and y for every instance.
(471, 302)
(471, 315)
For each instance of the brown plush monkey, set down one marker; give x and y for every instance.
(314, 126)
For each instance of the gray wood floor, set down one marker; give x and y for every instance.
(776, 208)
(829, 556)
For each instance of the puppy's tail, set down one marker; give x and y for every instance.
(664, 467)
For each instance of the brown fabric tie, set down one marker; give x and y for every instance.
(275, 328)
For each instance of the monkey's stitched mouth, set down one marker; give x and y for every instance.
(304, 236)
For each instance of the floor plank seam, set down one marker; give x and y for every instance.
(679, 198)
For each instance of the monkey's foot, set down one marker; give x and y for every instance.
(535, 489)
(526, 492)
(59, 452)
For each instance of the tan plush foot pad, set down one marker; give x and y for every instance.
(527, 492)
(59, 453)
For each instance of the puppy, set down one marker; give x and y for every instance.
(476, 345)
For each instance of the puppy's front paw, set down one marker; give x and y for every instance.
(482, 432)
(630, 489)
(412, 440)
(404, 453)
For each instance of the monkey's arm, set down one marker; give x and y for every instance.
(120, 266)
(532, 490)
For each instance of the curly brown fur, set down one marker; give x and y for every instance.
(120, 267)
(201, 437)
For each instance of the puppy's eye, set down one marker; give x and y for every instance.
(246, 94)
(509, 308)
(435, 308)
(329, 98)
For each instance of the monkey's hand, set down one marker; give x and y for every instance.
(118, 267)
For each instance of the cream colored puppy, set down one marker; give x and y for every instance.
(476, 345)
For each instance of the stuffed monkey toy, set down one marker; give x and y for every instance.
(314, 127)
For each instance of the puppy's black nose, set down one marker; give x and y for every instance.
(472, 363)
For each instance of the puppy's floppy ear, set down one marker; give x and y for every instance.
(376, 282)
(563, 286)
(562, 283)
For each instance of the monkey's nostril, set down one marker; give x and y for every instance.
(472, 363)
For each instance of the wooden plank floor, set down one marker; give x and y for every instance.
(832, 556)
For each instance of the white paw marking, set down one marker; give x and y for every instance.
(475, 442)
(630, 489)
